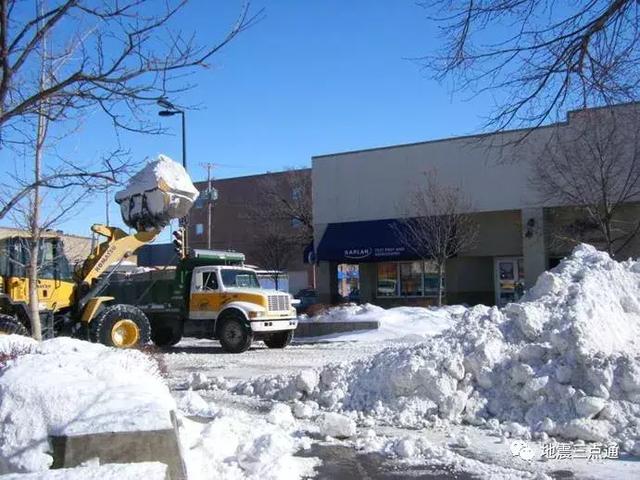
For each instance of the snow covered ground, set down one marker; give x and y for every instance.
(557, 372)
(545, 388)
(399, 323)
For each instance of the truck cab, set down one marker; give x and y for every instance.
(223, 294)
(209, 294)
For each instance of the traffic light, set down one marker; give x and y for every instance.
(178, 242)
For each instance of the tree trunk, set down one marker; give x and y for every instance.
(34, 214)
(608, 237)
(440, 283)
(34, 310)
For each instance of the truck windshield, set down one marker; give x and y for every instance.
(239, 278)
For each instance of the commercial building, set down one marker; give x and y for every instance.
(234, 225)
(359, 199)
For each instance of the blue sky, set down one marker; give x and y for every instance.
(313, 77)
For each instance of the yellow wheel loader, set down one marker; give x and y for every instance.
(70, 303)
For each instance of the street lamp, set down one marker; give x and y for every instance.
(169, 111)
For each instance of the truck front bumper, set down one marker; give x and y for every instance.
(273, 325)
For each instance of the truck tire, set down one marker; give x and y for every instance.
(165, 336)
(120, 326)
(234, 334)
(10, 325)
(279, 339)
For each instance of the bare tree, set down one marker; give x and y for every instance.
(436, 224)
(287, 196)
(593, 163)
(541, 57)
(118, 56)
(114, 57)
(283, 218)
(273, 250)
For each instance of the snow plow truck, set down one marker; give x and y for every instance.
(75, 302)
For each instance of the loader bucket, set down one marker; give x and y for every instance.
(160, 192)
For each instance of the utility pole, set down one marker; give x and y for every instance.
(210, 198)
(106, 202)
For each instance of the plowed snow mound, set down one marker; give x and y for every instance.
(65, 386)
(565, 361)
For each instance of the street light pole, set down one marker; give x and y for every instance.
(169, 111)
(184, 140)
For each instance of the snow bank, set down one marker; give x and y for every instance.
(161, 191)
(14, 345)
(393, 323)
(237, 445)
(67, 387)
(130, 471)
(565, 361)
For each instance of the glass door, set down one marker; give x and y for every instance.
(509, 279)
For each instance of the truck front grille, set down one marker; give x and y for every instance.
(278, 302)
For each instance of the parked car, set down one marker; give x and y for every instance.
(307, 297)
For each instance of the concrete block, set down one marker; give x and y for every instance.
(122, 447)
(316, 329)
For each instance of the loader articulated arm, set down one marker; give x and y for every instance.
(117, 246)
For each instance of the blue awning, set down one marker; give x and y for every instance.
(359, 242)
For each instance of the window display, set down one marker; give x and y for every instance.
(407, 279)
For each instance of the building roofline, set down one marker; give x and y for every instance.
(217, 180)
(48, 234)
(470, 136)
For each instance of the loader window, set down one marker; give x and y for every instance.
(46, 260)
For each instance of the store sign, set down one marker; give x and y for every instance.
(357, 253)
(377, 252)
(388, 251)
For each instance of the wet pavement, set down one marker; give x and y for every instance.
(344, 463)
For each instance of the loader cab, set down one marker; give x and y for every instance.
(55, 285)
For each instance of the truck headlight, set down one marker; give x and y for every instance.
(256, 314)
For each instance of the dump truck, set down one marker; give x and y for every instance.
(70, 301)
(209, 294)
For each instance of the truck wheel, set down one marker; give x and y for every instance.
(165, 336)
(11, 325)
(234, 334)
(279, 340)
(121, 326)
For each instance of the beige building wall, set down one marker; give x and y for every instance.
(494, 172)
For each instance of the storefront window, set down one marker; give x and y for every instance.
(411, 279)
(431, 279)
(387, 279)
(408, 279)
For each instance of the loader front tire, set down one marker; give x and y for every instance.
(11, 326)
(121, 326)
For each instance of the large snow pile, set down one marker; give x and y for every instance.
(110, 471)
(237, 445)
(65, 387)
(393, 323)
(158, 193)
(565, 361)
